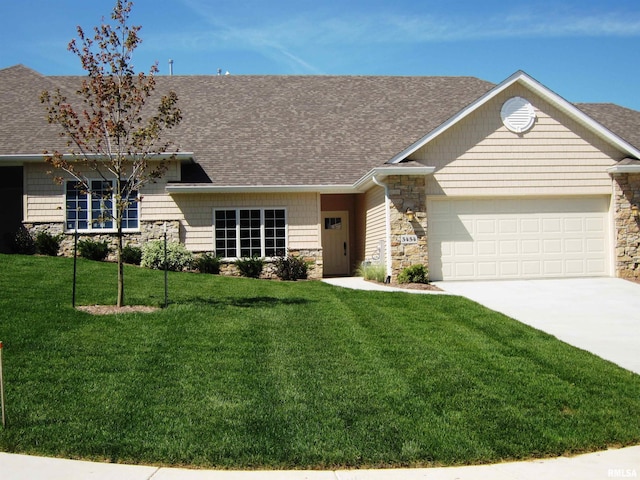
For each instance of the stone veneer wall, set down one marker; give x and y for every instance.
(155, 231)
(148, 231)
(312, 257)
(407, 191)
(627, 193)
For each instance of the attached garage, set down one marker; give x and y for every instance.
(509, 238)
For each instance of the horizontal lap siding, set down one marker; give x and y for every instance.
(45, 200)
(302, 216)
(479, 156)
(375, 222)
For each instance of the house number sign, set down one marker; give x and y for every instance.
(408, 239)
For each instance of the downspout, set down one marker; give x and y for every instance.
(387, 205)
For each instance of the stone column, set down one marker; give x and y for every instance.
(407, 191)
(627, 225)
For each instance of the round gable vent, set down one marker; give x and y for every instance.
(518, 114)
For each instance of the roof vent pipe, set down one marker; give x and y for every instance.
(170, 67)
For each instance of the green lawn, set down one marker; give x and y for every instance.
(241, 373)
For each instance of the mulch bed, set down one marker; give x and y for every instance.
(410, 286)
(112, 309)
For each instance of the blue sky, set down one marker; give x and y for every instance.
(584, 50)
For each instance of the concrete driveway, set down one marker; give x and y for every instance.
(600, 315)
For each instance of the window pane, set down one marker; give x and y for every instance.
(250, 241)
(225, 232)
(130, 213)
(101, 204)
(275, 233)
(76, 207)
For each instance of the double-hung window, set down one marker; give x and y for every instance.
(95, 210)
(250, 232)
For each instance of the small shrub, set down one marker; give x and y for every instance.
(178, 257)
(250, 267)
(93, 250)
(47, 244)
(207, 263)
(372, 271)
(22, 242)
(132, 255)
(414, 274)
(291, 268)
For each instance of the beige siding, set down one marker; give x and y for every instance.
(479, 156)
(156, 204)
(302, 216)
(375, 223)
(45, 198)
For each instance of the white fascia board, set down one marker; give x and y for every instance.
(383, 172)
(176, 189)
(537, 88)
(40, 157)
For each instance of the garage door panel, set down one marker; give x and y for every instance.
(551, 246)
(574, 245)
(518, 238)
(508, 225)
(531, 268)
(552, 225)
(595, 245)
(530, 247)
(594, 225)
(573, 225)
(530, 225)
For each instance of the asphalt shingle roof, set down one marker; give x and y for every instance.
(280, 130)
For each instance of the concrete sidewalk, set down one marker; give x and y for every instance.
(621, 463)
(359, 283)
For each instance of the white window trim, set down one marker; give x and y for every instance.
(89, 220)
(262, 229)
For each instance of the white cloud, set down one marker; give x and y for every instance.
(284, 37)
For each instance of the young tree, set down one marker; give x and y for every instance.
(112, 132)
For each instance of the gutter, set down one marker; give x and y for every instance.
(387, 226)
(178, 188)
(623, 169)
(359, 186)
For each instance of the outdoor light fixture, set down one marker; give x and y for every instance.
(635, 210)
(410, 214)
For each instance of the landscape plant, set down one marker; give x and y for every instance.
(291, 268)
(112, 131)
(372, 271)
(177, 256)
(132, 255)
(22, 242)
(414, 274)
(250, 267)
(93, 249)
(47, 244)
(207, 263)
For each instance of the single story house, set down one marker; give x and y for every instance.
(472, 179)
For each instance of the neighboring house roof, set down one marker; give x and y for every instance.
(285, 131)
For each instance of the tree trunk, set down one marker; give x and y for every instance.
(120, 301)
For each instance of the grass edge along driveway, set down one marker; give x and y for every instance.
(241, 373)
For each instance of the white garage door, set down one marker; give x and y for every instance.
(518, 238)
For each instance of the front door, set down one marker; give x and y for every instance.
(335, 243)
